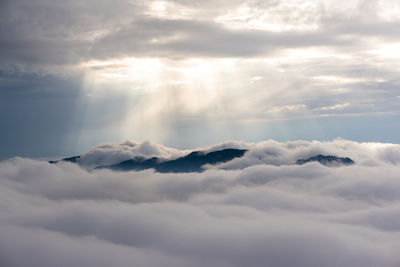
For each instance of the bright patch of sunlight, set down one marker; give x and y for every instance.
(276, 18)
(168, 10)
(388, 51)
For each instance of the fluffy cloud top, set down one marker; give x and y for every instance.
(108, 154)
(267, 152)
(258, 210)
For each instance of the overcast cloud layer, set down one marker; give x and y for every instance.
(74, 74)
(260, 210)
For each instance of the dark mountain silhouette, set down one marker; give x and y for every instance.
(327, 160)
(195, 161)
(190, 163)
(74, 159)
(134, 164)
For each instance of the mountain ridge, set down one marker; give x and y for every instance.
(326, 160)
(193, 162)
(196, 160)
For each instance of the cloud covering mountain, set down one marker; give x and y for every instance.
(258, 210)
(267, 152)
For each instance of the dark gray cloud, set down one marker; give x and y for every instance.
(54, 32)
(58, 33)
(188, 38)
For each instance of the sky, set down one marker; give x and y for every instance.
(75, 74)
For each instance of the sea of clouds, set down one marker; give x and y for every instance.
(258, 210)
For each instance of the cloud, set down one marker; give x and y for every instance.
(108, 154)
(260, 212)
(267, 152)
(59, 33)
(142, 66)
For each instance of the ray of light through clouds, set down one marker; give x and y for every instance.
(182, 75)
(250, 63)
(186, 73)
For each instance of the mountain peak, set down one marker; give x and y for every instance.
(327, 160)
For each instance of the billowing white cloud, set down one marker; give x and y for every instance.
(108, 154)
(266, 152)
(260, 210)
